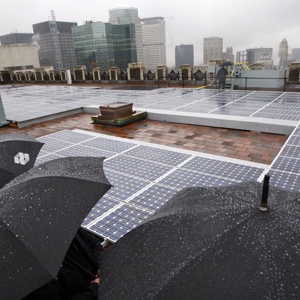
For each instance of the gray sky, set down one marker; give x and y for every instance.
(241, 23)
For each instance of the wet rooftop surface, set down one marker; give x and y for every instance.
(240, 144)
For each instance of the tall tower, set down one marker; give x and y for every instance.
(123, 16)
(229, 54)
(283, 53)
(154, 42)
(212, 49)
(184, 54)
(55, 43)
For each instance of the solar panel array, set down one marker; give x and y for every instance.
(31, 102)
(144, 176)
(285, 169)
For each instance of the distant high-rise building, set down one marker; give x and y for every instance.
(184, 55)
(55, 43)
(260, 56)
(283, 53)
(212, 48)
(104, 45)
(123, 16)
(296, 54)
(241, 56)
(228, 55)
(16, 38)
(154, 42)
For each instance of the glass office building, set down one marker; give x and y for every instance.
(104, 45)
(54, 39)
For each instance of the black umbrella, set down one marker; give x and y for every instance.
(18, 152)
(210, 243)
(40, 212)
(226, 64)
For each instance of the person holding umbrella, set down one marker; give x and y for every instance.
(221, 77)
(78, 277)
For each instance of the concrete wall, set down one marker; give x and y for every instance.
(260, 79)
(19, 55)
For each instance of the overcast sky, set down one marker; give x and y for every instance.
(241, 23)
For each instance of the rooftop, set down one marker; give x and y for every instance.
(149, 161)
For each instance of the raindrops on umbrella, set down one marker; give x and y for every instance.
(210, 243)
(18, 153)
(41, 211)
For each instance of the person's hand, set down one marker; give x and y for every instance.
(96, 280)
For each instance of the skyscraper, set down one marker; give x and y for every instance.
(296, 54)
(154, 42)
(241, 56)
(184, 54)
(228, 54)
(260, 56)
(123, 16)
(16, 38)
(283, 53)
(212, 48)
(55, 43)
(104, 45)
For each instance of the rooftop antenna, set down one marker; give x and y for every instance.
(265, 193)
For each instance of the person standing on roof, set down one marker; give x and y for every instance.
(221, 77)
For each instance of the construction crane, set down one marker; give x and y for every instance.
(56, 44)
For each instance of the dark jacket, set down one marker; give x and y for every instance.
(222, 73)
(79, 269)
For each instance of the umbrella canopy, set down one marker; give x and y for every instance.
(210, 243)
(18, 152)
(226, 64)
(40, 213)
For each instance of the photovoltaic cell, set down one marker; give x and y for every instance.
(102, 207)
(287, 164)
(28, 103)
(153, 198)
(143, 176)
(109, 144)
(81, 150)
(290, 151)
(162, 156)
(183, 178)
(123, 186)
(52, 145)
(294, 140)
(120, 222)
(284, 170)
(284, 180)
(70, 136)
(137, 167)
(223, 169)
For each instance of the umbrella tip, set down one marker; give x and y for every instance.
(265, 193)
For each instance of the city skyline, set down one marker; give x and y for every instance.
(254, 24)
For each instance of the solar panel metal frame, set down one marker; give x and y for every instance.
(130, 186)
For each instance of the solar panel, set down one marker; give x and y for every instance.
(28, 103)
(137, 167)
(153, 198)
(144, 176)
(162, 156)
(124, 186)
(109, 144)
(119, 222)
(187, 178)
(284, 170)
